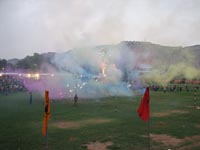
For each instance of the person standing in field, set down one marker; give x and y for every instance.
(75, 99)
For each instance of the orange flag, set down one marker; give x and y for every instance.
(46, 114)
(144, 108)
(45, 126)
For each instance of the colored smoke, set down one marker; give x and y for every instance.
(125, 71)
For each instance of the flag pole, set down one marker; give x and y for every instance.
(46, 118)
(148, 134)
(144, 112)
(149, 126)
(46, 145)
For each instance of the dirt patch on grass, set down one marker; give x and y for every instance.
(78, 124)
(194, 107)
(160, 124)
(63, 125)
(72, 139)
(167, 140)
(198, 107)
(164, 114)
(197, 125)
(194, 140)
(98, 145)
(189, 147)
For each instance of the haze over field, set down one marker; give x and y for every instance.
(108, 70)
(86, 36)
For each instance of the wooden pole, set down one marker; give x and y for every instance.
(46, 145)
(148, 134)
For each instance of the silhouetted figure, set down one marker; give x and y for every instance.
(180, 88)
(165, 89)
(75, 99)
(187, 89)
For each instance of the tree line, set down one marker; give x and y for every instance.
(32, 63)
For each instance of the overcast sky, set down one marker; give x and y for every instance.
(28, 26)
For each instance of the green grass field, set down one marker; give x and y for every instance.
(113, 119)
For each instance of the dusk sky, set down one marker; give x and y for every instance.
(28, 26)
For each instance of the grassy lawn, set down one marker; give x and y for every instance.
(112, 119)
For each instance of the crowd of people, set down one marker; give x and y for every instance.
(173, 88)
(10, 84)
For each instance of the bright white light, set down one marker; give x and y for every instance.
(37, 75)
(29, 75)
(84, 83)
(52, 75)
(129, 85)
(1, 74)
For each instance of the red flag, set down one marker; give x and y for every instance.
(143, 110)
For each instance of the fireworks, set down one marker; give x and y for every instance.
(103, 69)
(103, 63)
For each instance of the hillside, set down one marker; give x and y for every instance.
(128, 57)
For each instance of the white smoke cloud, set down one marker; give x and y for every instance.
(94, 72)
